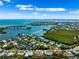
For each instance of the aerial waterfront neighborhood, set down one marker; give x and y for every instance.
(50, 45)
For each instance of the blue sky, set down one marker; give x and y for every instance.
(39, 9)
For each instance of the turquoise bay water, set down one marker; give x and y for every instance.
(37, 30)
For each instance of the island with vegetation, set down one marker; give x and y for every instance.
(2, 30)
(43, 23)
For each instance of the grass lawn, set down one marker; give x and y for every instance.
(63, 36)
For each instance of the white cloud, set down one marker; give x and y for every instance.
(41, 9)
(23, 6)
(7, 0)
(75, 12)
(31, 7)
(1, 3)
(50, 9)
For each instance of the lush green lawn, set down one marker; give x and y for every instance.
(63, 36)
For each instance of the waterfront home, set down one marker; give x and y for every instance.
(20, 52)
(4, 41)
(4, 46)
(57, 50)
(1, 50)
(59, 45)
(75, 38)
(38, 53)
(28, 53)
(48, 52)
(19, 38)
(76, 50)
(10, 53)
(46, 40)
(32, 43)
(68, 53)
(45, 46)
(67, 28)
(2, 54)
(23, 35)
(25, 39)
(51, 43)
(41, 46)
(14, 42)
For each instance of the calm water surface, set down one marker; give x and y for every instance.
(37, 30)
